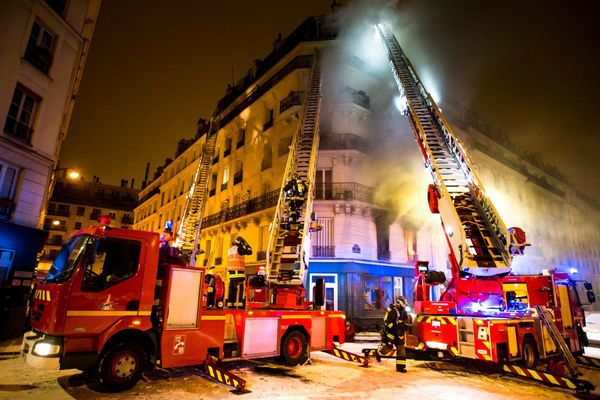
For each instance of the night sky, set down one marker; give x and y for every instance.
(530, 69)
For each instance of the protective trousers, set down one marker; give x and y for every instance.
(400, 354)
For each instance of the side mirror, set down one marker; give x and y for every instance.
(591, 297)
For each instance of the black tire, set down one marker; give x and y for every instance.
(294, 349)
(529, 356)
(121, 366)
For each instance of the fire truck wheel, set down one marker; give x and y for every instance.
(121, 366)
(294, 349)
(530, 353)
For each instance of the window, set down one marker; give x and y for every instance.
(8, 181)
(225, 180)
(239, 173)
(284, 146)
(77, 226)
(241, 138)
(112, 215)
(80, 210)
(268, 119)
(113, 261)
(39, 48)
(227, 150)
(95, 214)
(67, 259)
(267, 161)
(19, 122)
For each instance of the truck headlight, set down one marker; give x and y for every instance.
(46, 349)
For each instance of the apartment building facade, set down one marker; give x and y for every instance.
(370, 194)
(77, 204)
(43, 49)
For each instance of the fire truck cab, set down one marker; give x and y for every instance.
(111, 306)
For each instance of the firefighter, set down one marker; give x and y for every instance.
(236, 268)
(395, 325)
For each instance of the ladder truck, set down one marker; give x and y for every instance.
(486, 312)
(116, 302)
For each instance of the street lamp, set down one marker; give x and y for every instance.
(71, 173)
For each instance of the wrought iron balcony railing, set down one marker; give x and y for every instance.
(323, 251)
(347, 141)
(294, 99)
(344, 191)
(357, 97)
(245, 208)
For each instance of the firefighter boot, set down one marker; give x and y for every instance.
(401, 366)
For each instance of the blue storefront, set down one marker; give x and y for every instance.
(362, 289)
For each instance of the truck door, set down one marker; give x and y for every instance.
(107, 286)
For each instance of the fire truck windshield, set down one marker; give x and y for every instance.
(66, 260)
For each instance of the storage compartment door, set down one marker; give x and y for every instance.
(261, 337)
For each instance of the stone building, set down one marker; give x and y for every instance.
(43, 49)
(370, 193)
(75, 205)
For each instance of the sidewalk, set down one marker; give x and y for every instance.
(10, 346)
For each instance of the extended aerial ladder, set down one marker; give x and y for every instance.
(481, 250)
(285, 257)
(479, 241)
(191, 221)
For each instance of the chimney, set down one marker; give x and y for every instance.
(145, 182)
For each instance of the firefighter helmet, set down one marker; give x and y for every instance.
(401, 301)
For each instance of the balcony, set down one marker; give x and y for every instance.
(237, 177)
(245, 208)
(357, 97)
(323, 251)
(344, 191)
(294, 99)
(261, 255)
(346, 141)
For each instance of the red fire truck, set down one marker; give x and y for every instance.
(485, 312)
(116, 301)
(111, 307)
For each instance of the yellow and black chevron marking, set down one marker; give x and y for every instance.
(225, 377)
(546, 377)
(374, 352)
(42, 295)
(344, 355)
(443, 319)
(588, 361)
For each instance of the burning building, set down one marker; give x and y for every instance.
(370, 186)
